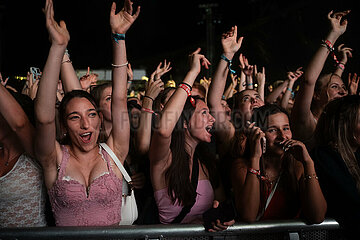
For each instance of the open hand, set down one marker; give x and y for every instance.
(122, 21)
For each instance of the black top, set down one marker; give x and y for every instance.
(338, 187)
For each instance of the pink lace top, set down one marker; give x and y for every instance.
(74, 205)
(169, 211)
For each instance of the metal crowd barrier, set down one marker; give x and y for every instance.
(289, 229)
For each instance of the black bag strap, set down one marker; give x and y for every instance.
(194, 181)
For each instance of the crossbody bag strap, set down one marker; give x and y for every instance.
(117, 161)
(194, 181)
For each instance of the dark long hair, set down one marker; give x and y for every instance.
(336, 127)
(180, 187)
(65, 101)
(288, 174)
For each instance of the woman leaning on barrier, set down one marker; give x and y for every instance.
(275, 178)
(84, 185)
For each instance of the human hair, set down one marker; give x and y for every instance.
(160, 99)
(177, 176)
(200, 88)
(26, 103)
(65, 101)
(97, 91)
(336, 127)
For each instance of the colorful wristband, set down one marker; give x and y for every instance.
(228, 61)
(117, 37)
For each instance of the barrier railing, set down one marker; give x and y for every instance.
(290, 229)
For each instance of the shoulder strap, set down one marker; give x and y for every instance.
(194, 181)
(117, 161)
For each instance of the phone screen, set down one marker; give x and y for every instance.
(36, 73)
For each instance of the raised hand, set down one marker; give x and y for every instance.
(122, 21)
(293, 76)
(153, 88)
(160, 71)
(229, 41)
(248, 69)
(260, 76)
(130, 72)
(3, 82)
(297, 149)
(197, 60)
(345, 53)
(338, 26)
(58, 34)
(353, 83)
(254, 136)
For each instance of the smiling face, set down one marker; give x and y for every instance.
(82, 123)
(201, 123)
(105, 103)
(277, 131)
(336, 88)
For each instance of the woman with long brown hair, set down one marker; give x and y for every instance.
(275, 178)
(337, 159)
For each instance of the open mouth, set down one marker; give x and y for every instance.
(209, 129)
(86, 137)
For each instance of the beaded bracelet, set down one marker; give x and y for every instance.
(117, 36)
(228, 61)
(289, 89)
(308, 177)
(121, 65)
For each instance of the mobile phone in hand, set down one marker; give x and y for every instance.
(35, 72)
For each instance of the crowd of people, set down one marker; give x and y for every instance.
(210, 151)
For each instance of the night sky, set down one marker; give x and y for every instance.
(280, 35)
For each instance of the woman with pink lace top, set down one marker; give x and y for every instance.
(84, 184)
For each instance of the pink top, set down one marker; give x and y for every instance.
(169, 211)
(74, 205)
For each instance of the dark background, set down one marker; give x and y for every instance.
(280, 35)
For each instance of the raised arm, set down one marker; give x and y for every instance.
(272, 97)
(301, 113)
(345, 54)
(45, 138)
(120, 135)
(224, 128)
(292, 77)
(143, 134)
(69, 78)
(16, 118)
(161, 139)
(246, 183)
(260, 78)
